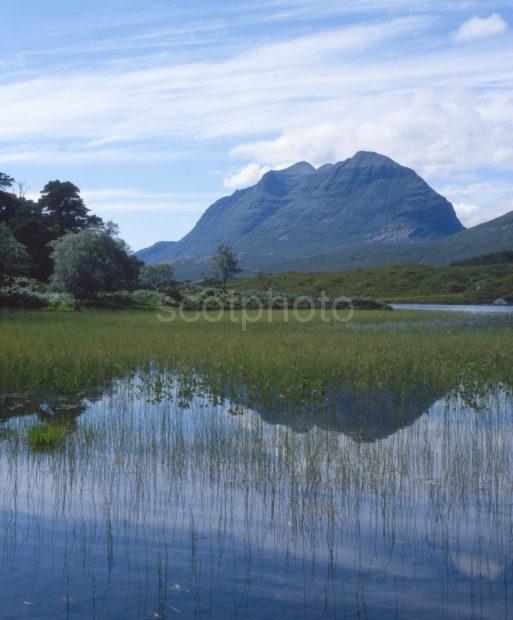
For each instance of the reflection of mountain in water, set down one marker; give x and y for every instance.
(364, 416)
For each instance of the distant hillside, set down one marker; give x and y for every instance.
(319, 216)
(398, 283)
(493, 236)
(157, 253)
(495, 258)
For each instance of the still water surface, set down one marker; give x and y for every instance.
(184, 506)
(482, 309)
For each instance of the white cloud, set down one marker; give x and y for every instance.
(481, 28)
(392, 86)
(126, 199)
(313, 91)
(479, 201)
(432, 132)
(478, 565)
(247, 93)
(245, 177)
(467, 213)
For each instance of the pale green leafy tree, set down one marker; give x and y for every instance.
(91, 261)
(224, 265)
(157, 276)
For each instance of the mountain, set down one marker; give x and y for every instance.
(492, 236)
(367, 210)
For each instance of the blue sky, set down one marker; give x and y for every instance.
(156, 108)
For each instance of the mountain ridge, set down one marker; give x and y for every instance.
(365, 208)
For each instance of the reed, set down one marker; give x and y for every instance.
(153, 510)
(291, 360)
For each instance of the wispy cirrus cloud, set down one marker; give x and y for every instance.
(264, 89)
(127, 199)
(252, 92)
(272, 82)
(135, 200)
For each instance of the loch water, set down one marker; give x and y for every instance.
(176, 503)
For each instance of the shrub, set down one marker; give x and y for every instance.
(456, 287)
(21, 295)
(140, 299)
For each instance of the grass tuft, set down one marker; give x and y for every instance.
(46, 437)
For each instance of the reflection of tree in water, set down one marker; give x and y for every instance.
(364, 416)
(57, 409)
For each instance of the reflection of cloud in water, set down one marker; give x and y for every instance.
(477, 566)
(278, 504)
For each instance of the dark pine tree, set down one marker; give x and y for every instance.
(64, 208)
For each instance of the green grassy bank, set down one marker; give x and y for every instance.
(398, 283)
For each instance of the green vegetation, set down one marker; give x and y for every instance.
(35, 226)
(46, 436)
(397, 283)
(291, 361)
(13, 256)
(91, 261)
(55, 254)
(64, 209)
(495, 258)
(224, 265)
(158, 277)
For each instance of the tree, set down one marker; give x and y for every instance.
(92, 261)
(14, 259)
(8, 205)
(264, 278)
(5, 181)
(22, 189)
(64, 208)
(224, 265)
(158, 276)
(29, 226)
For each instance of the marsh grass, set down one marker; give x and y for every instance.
(181, 490)
(296, 361)
(46, 436)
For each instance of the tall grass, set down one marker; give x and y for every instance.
(289, 360)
